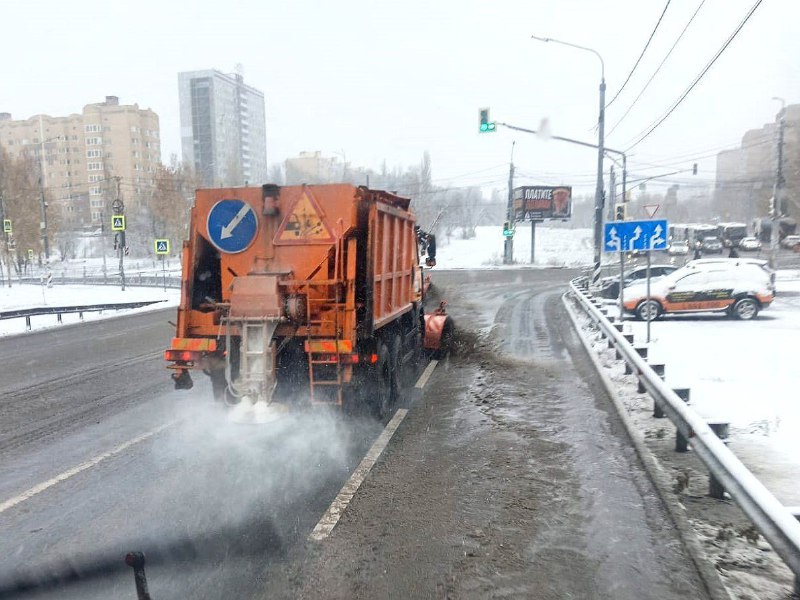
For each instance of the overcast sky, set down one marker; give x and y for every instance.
(376, 80)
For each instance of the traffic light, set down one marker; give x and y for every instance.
(620, 212)
(507, 230)
(486, 125)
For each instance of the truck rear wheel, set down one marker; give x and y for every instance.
(396, 370)
(380, 397)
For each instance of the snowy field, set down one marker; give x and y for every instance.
(31, 296)
(742, 372)
(554, 248)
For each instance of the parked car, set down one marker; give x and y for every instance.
(750, 243)
(760, 263)
(678, 248)
(791, 241)
(739, 288)
(609, 286)
(711, 245)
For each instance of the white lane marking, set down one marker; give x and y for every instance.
(426, 374)
(37, 489)
(339, 505)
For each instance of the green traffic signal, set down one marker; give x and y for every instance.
(486, 125)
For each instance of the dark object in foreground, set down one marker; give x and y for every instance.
(135, 560)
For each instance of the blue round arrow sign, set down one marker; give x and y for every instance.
(232, 225)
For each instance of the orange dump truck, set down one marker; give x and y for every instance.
(300, 294)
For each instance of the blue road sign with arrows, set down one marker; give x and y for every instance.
(625, 236)
(232, 225)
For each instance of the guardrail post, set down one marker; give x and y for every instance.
(28, 322)
(681, 444)
(715, 488)
(659, 370)
(58, 317)
(628, 338)
(80, 315)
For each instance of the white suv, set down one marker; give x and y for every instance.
(739, 287)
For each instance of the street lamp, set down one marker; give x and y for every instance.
(42, 202)
(776, 209)
(598, 194)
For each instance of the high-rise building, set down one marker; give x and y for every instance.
(83, 157)
(223, 128)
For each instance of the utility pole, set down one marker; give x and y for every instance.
(598, 194)
(43, 211)
(103, 235)
(612, 185)
(508, 245)
(777, 208)
(6, 240)
(118, 208)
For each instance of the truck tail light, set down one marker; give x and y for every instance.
(181, 355)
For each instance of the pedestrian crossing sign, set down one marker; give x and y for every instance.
(118, 223)
(162, 246)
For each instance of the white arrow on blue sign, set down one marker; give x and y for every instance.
(232, 225)
(626, 236)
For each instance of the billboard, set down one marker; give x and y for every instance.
(540, 202)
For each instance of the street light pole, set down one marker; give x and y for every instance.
(777, 190)
(42, 185)
(598, 194)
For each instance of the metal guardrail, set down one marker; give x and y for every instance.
(27, 313)
(133, 280)
(775, 522)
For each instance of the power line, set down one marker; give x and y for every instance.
(698, 78)
(638, 60)
(649, 81)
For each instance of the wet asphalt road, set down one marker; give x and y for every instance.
(510, 477)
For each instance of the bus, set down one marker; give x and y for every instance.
(677, 232)
(697, 231)
(762, 228)
(730, 234)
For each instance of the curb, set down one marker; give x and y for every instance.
(708, 574)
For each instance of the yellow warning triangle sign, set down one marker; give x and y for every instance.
(304, 223)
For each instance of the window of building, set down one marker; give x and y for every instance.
(94, 141)
(134, 129)
(95, 178)
(94, 166)
(135, 141)
(135, 154)
(93, 128)
(94, 191)
(94, 153)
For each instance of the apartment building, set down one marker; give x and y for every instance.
(223, 128)
(746, 175)
(86, 159)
